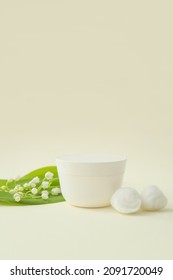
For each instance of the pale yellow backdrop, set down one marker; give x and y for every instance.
(87, 76)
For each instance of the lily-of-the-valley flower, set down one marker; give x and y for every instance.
(21, 189)
(35, 180)
(26, 185)
(16, 188)
(32, 185)
(45, 184)
(55, 191)
(45, 195)
(17, 197)
(49, 175)
(21, 194)
(34, 190)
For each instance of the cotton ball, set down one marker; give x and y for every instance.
(153, 199)
(126, 200)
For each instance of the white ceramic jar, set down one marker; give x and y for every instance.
(90, 180)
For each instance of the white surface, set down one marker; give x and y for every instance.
(61, 231)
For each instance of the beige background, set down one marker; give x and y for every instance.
(88, 76)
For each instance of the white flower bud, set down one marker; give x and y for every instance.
(32, 185)
(55, 191)
(26, 185)
(17, 197)
(16, 188)
(45, 195)
(35, 180)
(34, 191)
(21, 194)
(20, 189)
(45, 192)
(49, 175)
(45, 185)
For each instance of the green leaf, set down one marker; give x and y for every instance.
(2, 182)
(8, 200)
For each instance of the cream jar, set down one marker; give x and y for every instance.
(90, 180)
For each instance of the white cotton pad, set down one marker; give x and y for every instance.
(126, 200)
(153, 199)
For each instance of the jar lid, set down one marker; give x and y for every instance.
(91, 164)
